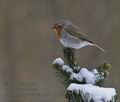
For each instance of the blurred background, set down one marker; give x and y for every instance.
(28, 46)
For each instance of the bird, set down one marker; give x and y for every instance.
(70, 35)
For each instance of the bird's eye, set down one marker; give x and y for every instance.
(59, 26)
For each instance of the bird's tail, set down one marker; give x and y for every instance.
(99, 47)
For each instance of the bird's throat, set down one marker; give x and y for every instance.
(57, 32)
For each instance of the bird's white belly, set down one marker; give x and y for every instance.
(74, 44)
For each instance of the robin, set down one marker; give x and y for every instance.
(70, 36)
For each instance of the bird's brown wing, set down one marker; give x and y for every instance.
(83, 37)
(80, 35)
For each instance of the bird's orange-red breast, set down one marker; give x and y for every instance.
(57, 29)
(70, 36)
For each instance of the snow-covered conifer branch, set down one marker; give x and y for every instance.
(90, 93)
(95, 76)
(83, 84)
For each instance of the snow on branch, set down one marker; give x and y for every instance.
(83, 85)
(95, 76)
(91, 93)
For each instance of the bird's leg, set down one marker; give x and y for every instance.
(70, 58)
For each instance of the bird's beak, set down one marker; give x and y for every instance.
(53, 28)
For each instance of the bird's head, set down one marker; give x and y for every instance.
(59, 25)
